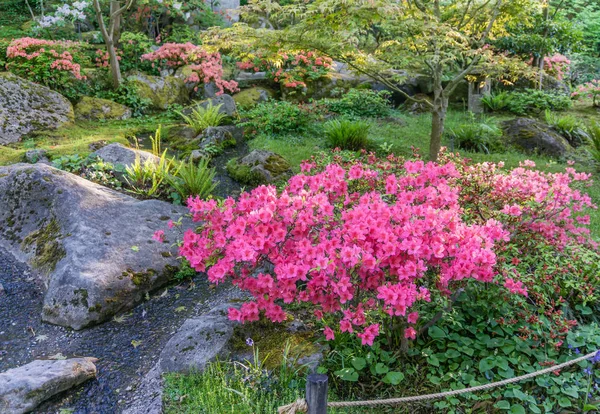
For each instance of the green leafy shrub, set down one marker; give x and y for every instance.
(180, 33)
(204, 117)
(278, 118)
(132, 46)
(593, 131)
(347, 134)
(360, 103)
(568, 126)
(149, 178)
(91, 168)
(126, 95)
(536, 101)
(477, 136)
(496, 101)
(191, 180)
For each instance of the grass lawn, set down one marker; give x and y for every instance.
(413, 131)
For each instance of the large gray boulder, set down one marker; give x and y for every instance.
(535, 137)
(121, 156)
(259, 167)
(92, 246)
(27, 107)
(22, 389)
(198, 342)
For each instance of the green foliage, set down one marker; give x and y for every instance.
(132, 46)
(185, 271)
(91, 168)
(126, 95)
(204, 117)
(497, 101)
(584, 68)
(347, 134)
(243, 173)
(593, 131)
(360, 103)
(477, 135)
(191, 180)
(535, 101)
(148, 178)
(278, 118)
(12, 12)
(568, 126)
(181, 33)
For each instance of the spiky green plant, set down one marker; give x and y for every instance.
(193, 179)
(203, 117)
(593, 131)
(148, 177)
(347, 134)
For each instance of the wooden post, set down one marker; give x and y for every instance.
(316, 394)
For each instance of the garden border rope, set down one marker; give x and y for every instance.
(300, 406)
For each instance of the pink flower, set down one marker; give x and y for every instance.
(515, 287)
(329, 335)
(410, 333)
(412, 317)
(159, 236)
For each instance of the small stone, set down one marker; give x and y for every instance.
(37, 155)
(120, 156)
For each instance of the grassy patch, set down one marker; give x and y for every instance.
(76, 138)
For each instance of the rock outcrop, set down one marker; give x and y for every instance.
(536, 137)
(27, 107)
(228, 106)
(259, 167)
(22, 389)
(252, 96)
(160, 91)
(121, 157)
(92, 246)
(96, 109)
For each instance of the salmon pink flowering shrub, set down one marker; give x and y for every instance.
(56, 64)
(590, 90)
(291, 69)
(205, 67)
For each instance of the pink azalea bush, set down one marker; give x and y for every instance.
(291, 69)
(365, 242)
(56, 64)
(206, 67)
(557, 65)
(590, 90)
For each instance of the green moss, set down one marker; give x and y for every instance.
(48, 249)
(243, 173)
(95, 109)
(250, 97)
(271, 339)
(140, 278)
(80, 298)
(173, 91)
(277, 165)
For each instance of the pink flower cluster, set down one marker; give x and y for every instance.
(292, 69)
(590, 89)
(206, 67)
(358, 256)
(557, 65)
(41, 54)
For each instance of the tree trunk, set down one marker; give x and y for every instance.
(115, 69)
(438, 118)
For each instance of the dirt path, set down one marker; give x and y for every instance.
(126, 347)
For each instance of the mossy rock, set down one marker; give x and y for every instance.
(271, 340)
(250, 97)
(533, 136)
(259, 167)
(160, 91)
(96, 109)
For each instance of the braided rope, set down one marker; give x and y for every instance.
(300, 406)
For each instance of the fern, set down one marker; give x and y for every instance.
(204, 117)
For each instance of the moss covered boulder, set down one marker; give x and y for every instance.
(533, 136)
(27, 107)
(91, 246)
(259, 167)
(160, 91)
(96, 109)
(250, 97)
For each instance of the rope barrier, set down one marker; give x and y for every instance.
(300, 406)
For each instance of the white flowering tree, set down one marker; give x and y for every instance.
(66, 13)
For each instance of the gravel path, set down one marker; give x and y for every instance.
(127, 347)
